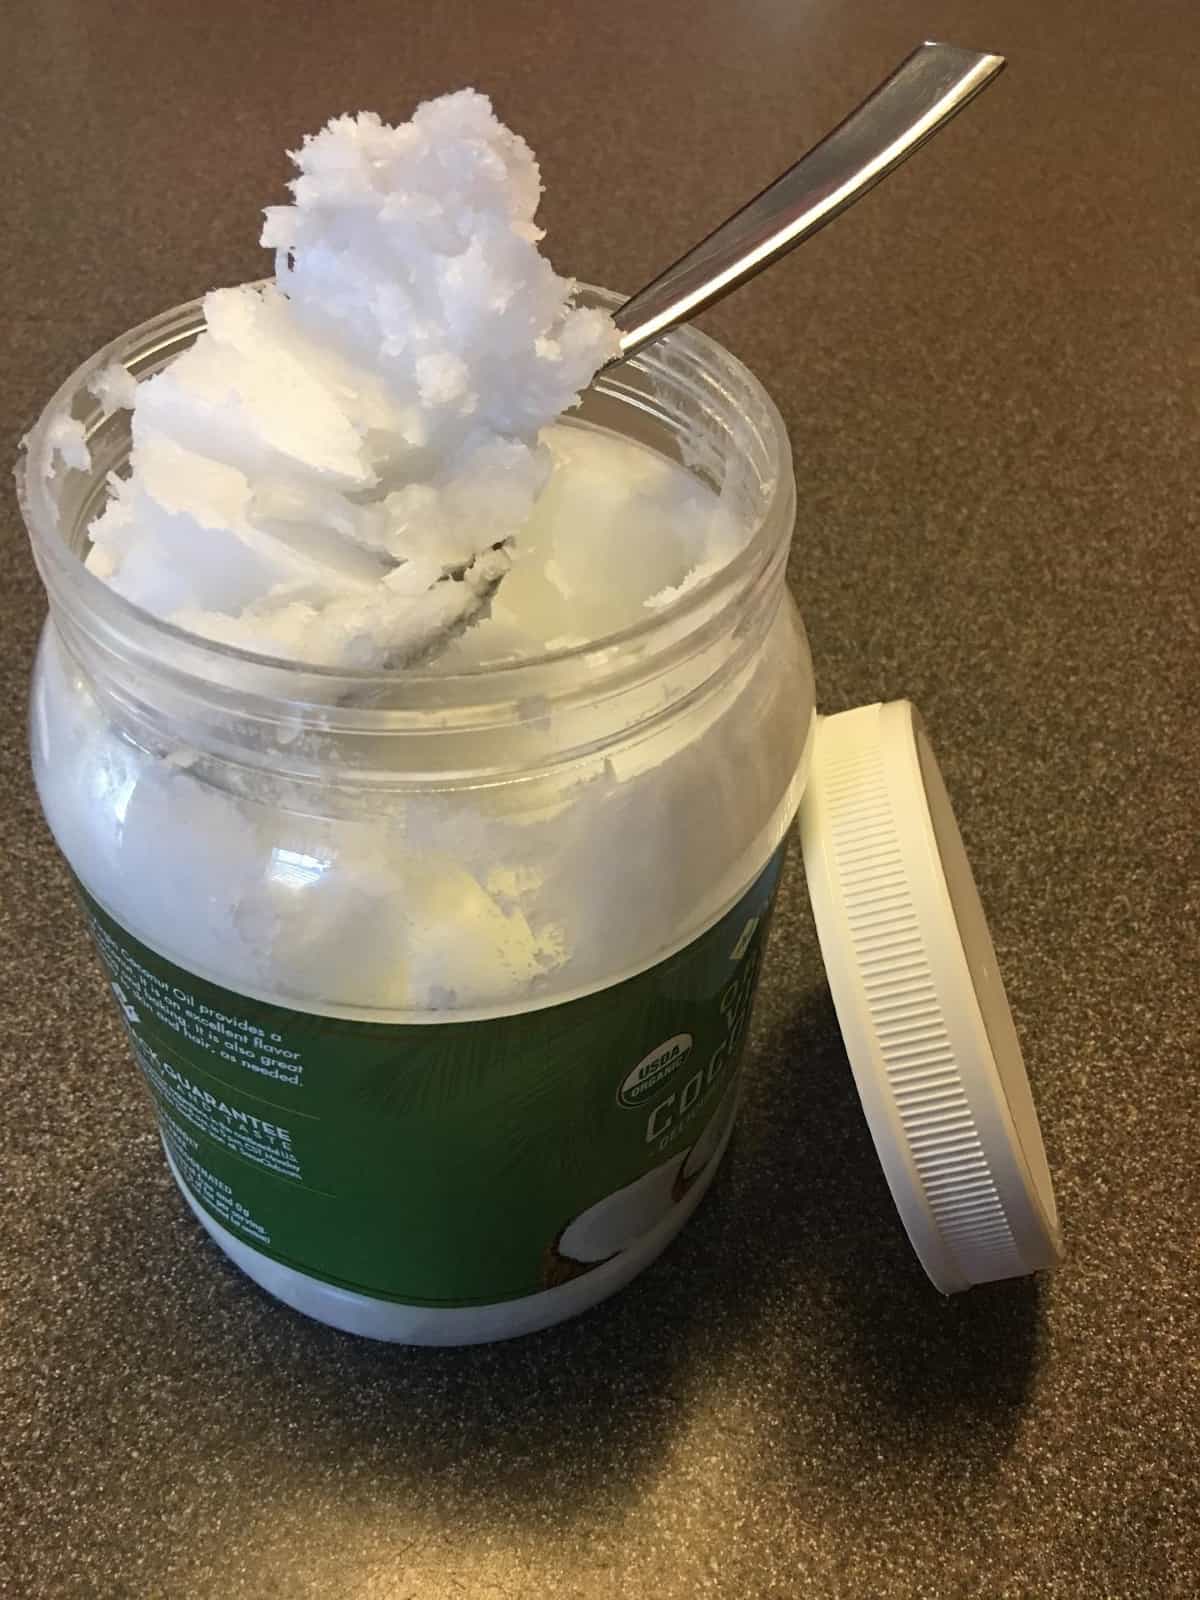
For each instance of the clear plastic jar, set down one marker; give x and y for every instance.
(418, 958)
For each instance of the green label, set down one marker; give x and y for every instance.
(447, 1163)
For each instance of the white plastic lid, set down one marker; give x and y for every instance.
(921, 1004)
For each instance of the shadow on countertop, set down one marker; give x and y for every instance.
(929, 1365)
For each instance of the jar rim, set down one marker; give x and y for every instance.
(680, 354)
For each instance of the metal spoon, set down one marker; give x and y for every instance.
(926, 90)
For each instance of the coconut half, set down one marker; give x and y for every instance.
(612, 1224)
(625, 1216)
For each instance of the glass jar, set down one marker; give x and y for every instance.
(439, 981)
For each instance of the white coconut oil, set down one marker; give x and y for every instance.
(344, 904)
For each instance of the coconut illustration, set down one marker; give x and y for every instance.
(625, 1216)
(612, 1224)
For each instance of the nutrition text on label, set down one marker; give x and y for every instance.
(254, 1138)
(241, 1043)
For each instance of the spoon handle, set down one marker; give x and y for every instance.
(921, 96)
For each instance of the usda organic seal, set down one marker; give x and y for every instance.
(654, 1069)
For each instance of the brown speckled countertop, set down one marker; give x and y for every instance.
(990, 371)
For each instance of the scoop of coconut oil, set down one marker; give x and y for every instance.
(326, 474)
(339, 464)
